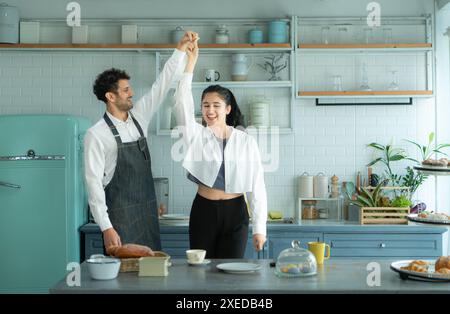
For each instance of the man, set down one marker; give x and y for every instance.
(117, 160)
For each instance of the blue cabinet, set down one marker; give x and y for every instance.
(388, 245)
(346, 241)
(278, 241)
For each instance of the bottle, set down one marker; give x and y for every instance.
(345, 200)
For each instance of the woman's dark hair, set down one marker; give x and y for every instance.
(107, 82)
(235, 117)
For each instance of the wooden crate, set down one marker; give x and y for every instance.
(379, 215)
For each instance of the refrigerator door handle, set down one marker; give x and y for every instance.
(9, 185)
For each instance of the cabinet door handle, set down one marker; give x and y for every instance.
(382, 245)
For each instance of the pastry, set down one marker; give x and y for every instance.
(443, 162)
(445, 271)
(442, 262)
(417, 266)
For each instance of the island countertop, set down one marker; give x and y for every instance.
(335, 276)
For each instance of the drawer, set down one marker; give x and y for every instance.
(279, 241)
(384, 245)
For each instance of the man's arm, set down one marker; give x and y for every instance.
(94, 160)
(152, 100)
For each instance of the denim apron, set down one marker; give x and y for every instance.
(130, 196)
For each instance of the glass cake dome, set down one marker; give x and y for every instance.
(296, 262)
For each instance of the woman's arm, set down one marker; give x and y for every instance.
(257, 199)
(184, 102)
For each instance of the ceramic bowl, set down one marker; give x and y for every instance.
(103, 268)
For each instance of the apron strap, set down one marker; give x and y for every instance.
(112, 128)
(136, 124)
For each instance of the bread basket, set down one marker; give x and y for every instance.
(132, 264)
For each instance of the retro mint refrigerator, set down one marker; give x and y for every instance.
(42, 199)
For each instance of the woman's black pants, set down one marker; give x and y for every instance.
(219, 226)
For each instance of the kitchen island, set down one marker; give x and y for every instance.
(335, 276)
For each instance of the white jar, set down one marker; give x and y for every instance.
(222, 36)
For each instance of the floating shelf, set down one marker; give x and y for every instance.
(403, 93)
(156, 46)
(365, 46)
(250, 131)
(269, 84)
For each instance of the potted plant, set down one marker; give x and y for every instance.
(412, 179)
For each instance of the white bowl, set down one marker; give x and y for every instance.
(103, 268)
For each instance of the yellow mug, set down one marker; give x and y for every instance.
(318, 249)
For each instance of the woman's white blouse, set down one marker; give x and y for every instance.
(244, 171)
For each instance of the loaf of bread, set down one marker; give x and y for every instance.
(130, 251)
(442, 262)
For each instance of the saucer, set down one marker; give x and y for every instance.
(205, 262)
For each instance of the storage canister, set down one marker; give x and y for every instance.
(222, 36)
(9, 24)
(255, 36)
(305, 186)
(277, 32)
(177, 34)
(320, 185)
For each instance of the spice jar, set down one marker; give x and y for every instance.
(309, 210)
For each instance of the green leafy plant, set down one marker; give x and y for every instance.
(428, 150)
(389, 154)
(369, 198)
(401, 201)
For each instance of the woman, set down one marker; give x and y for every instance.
(225, 163)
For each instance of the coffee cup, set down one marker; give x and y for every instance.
(212, 75)
(318, 249)
(195, 256)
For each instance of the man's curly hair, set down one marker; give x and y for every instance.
(107, 82)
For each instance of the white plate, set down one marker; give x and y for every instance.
(239, 268)
(429, 276)
(414, 217)
(205, 262)
(175, 216)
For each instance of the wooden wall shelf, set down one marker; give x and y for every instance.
(141, 46)
(405, 93)
(364, 46)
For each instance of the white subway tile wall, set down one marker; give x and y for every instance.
(325, 139)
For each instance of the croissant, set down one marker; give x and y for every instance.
(130, 251)
(442, 262)
(444, 270)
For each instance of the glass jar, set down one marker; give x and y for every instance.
(323, 213)
(296, 262)
(309, 210)
(222, 36)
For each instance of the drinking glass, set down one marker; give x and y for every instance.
(368, 35)
(387, 35)
(342, 35)
(337, 83)
(393, 85)
(364, 78)
(325, 34)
